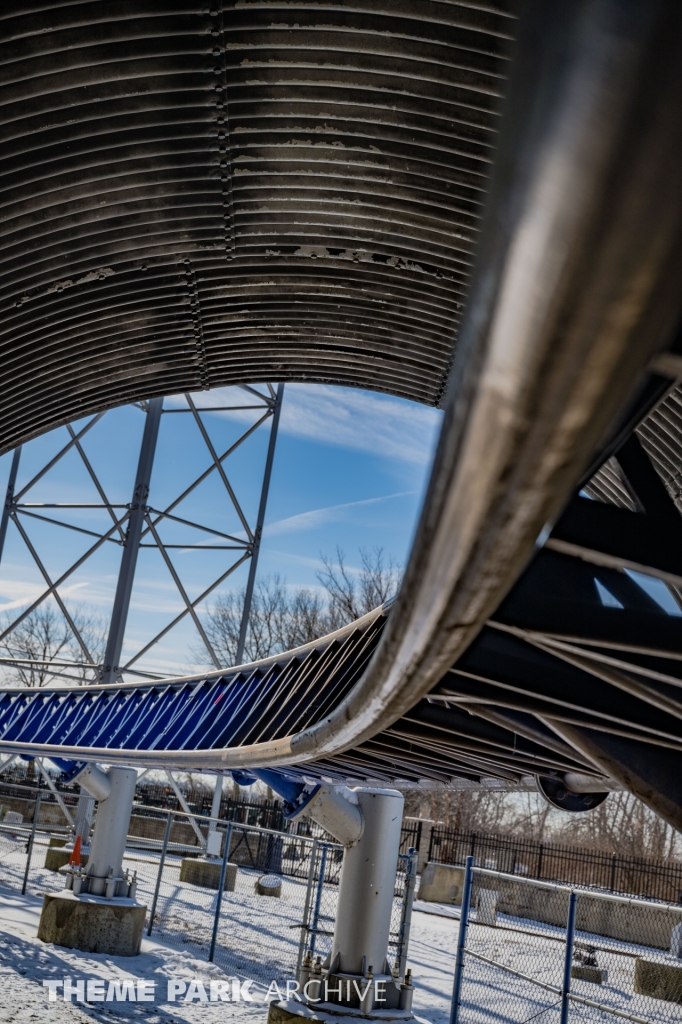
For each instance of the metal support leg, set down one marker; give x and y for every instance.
(363, 926)
(255, 551)
(568, 961)
(9, 498)
(213, 839)
(29, 848)
(58, 796)
(306, 906)
(461, 940)
(185, 806)
(406, 917)
(8, 762)
(126, 576)
(84, 812)
(215, 803)
(219, 895)
(162, 861)
(111, 829)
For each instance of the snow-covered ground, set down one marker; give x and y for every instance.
(491, 994)
(26, 964)
(258, 940)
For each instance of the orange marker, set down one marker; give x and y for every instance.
(75, 857)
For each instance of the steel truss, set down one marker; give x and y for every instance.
(139, 524)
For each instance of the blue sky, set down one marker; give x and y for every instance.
(350, 470)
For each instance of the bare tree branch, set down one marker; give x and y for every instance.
(45, 637)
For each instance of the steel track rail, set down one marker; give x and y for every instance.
(575, 289)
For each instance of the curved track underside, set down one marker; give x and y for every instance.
(322, 192)
(259, 191)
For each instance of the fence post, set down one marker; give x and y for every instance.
(164, 850)
(29, 848)
(318, 896)
(221, 886)
(540, 852)
(306, 905)
(613, 873)
(406, 917)
(461, 940)
(570, 935)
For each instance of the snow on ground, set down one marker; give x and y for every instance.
(26, 963)
(258, 940)
(491, 994)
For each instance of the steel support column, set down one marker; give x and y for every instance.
(119, 614)
(255, 550)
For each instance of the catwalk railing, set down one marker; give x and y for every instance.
(528, 949)
(639, 876)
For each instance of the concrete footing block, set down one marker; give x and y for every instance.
(269, 885)
(659, 979)
(92, 924)
(206, 873)
(441, 883)
(597, 975)
(55, 858)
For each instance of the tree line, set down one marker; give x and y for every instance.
(281, 618)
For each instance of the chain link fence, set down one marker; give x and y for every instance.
(279, 894)
(540, 951)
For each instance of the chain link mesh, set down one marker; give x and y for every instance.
(626, 961)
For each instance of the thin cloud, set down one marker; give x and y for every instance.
(319, 516)
(358, 420)
(28, 592)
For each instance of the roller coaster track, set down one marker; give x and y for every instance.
(498, 656)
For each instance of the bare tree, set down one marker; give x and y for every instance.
(45, 637)
(282, 618)
(621, 824)
(353, 593)
(279, 620)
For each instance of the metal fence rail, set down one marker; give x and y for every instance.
(240, 928)
(532, 950)
(640, 876)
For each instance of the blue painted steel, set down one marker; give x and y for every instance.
(159, 873)
(568, 959)
(219, 894)
(461, 940)
(295, 794)
(264, 701)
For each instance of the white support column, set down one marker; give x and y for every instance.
(84, 812)
(367, 884)
(214, 838)
(215, 804)
(111, 829)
